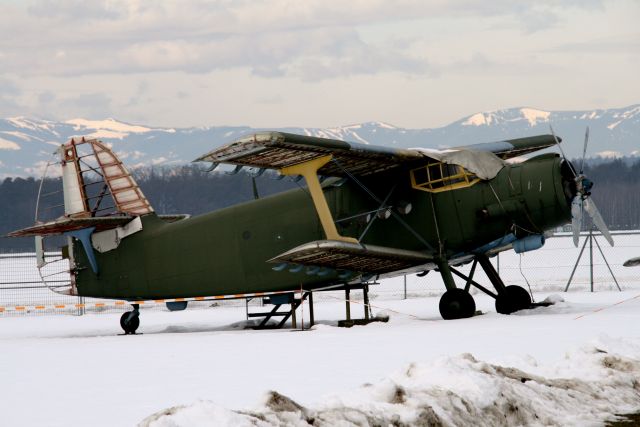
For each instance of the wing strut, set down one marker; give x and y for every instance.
(309, 170)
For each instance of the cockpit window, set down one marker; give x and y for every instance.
(438, 176)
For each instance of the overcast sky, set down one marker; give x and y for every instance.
(316, 63)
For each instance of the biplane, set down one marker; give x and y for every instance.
(367, 212)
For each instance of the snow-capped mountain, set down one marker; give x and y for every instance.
(26, 144)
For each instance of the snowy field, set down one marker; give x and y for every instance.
(547, 366)
(574, 363)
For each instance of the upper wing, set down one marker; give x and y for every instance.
(514, 147)
(277, 150)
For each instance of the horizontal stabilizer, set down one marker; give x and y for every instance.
(355, 257)
(64, 225)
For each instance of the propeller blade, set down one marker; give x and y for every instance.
(593, 212)
(562, 151)
(584, 150)
(576, 218)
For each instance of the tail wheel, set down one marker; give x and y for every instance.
(457, 304)
(129, 322)
(514, 298)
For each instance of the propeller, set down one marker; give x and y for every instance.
(582, 200)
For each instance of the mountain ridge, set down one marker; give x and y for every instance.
(26, 143)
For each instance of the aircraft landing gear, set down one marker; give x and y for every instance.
(130, 320)
(512, 299)
(509, 299)
(457, 304)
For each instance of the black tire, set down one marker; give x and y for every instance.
(129, 325)
(513, 299)
(457, 304)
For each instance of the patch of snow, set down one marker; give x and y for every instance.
(111, 134)
(385, 125)
(111, 129)
(17, 134)
(533, 116)
(358, 137)
(25, 123)
(554, 299)
(613, 125)
(632, 112)
(159, 160)
(108, 124)
(478, 119)
(459, 390)
(608, 154)
(8, 145)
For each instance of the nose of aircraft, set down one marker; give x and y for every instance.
(577, 188)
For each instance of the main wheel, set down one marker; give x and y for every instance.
(457, 304)
(129, 323)
(513, 299)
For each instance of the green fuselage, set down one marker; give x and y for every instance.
(226, 251)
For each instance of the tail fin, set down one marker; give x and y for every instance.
(98, 191)
(108, 170)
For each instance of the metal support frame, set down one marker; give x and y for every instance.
(382, 203)
(274, 312)
(445, 272)
(311, 316)
(491, 273)
(309, 170)
(470, 281)
(347, 301)
(365, 298)
(591, 239)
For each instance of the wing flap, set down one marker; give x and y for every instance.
(355, 257)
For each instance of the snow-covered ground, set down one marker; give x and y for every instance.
(574, 363)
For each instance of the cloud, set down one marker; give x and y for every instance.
(75, 9)
(9, 92)
(87, 105)
(311, 40)
(46, 97)
(40, 167)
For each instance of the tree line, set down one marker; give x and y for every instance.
(192, 190)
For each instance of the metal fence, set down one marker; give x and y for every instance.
(547, 269)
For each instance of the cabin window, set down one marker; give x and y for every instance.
(438, 176)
